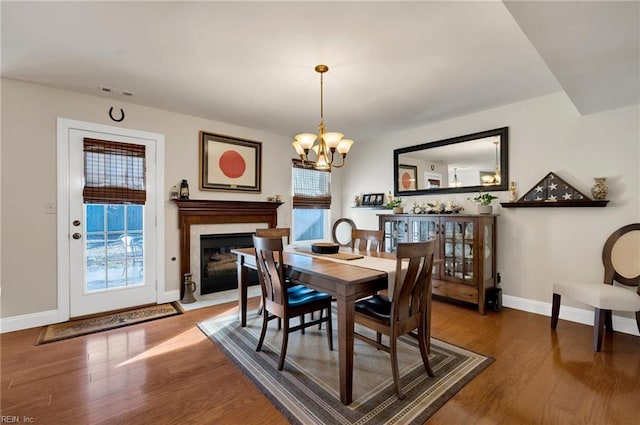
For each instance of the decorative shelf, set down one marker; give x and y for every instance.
(556, 204)
(372, 207)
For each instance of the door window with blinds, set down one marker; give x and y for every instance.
(114, 194)
(311, 202)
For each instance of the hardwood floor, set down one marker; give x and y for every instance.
(167, 372)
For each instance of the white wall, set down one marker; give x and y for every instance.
(28, 155)
(536, 246)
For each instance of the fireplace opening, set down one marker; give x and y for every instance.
(218, 268)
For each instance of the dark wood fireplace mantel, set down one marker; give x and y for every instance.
(194, 211)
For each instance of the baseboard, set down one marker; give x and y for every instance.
(572, 314)
(33, 320)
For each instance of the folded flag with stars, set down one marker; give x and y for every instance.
(552, 189)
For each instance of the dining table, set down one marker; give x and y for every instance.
(344, 280)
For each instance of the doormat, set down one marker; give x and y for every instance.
(104, 322)
(307, 392)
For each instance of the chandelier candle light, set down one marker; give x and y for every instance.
(328, 143)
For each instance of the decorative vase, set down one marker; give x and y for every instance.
(398, 210)
(189, 289)
(513, 192)
(485, 209)
(600, 189)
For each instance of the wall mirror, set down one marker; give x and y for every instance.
(470, 163)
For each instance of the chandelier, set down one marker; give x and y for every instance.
(328, 143)
(496, 178)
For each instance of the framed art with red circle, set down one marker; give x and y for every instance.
(407, 176)
(229, 164)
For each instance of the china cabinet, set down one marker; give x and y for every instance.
(466, 250)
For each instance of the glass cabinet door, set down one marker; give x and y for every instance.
(457, 235)
(423, 229)
(395, 230)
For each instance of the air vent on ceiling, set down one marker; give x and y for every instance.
(112, 90)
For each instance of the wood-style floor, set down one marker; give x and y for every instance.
(167, 372)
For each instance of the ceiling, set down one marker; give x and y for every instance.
(393, 65)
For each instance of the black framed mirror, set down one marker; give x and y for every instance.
(470, 163)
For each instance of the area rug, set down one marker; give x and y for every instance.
(306, 391)
(93, 324)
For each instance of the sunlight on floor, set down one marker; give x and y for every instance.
(187, 338)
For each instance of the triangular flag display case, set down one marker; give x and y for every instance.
(552, 191)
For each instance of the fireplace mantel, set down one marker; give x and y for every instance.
(200, 211)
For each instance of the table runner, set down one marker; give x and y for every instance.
(386, 265)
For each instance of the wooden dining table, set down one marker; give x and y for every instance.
(346, 282)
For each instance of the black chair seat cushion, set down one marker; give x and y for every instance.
(301, 297)
(299, 289)
(377, 306)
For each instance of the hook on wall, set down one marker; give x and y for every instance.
(121, 113)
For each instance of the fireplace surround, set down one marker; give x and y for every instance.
(196, 212)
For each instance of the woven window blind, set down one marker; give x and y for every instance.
(311, 187)
(114, 173)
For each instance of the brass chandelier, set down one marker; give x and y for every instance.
(328, 143)
(495, 179)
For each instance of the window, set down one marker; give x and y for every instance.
(114, 194)
(114, 172)
(311, 202)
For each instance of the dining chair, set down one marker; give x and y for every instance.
(367, 240)
(275, 232)
(621, 259)
(406, 311)
(285, 303)
(341, 231)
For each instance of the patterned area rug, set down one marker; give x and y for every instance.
(89, 325)
(307, 390)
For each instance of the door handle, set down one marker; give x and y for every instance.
(76, 223)
(76, 236)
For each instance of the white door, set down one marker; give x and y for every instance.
(112, 257)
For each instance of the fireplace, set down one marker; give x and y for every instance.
(218, 268)
(234, 216)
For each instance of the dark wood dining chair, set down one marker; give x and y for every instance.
(408, 309)
(621, 260)
(281, 302)
(275, 232)
(367, 240)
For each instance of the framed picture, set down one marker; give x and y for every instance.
(230, 164)
(371, 199)
(407, 177)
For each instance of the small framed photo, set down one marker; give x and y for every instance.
(366, 199)
(230, 164)
(407, 177)
(377, 198)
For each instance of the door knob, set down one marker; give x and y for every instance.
(76, 236)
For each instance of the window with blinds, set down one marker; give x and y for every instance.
(311, 187)
(114, 173)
